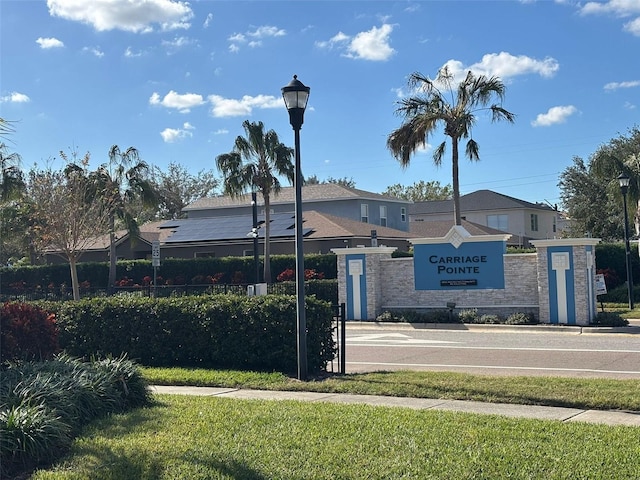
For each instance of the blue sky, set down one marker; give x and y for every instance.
(176, 80)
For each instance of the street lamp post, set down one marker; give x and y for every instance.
(624, 187)
(295, 97)
(254, 234)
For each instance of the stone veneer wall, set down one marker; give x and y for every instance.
(519, 295)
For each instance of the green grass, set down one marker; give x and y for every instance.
(602, 394)
(218, 438)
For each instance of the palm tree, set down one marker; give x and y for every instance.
(255, 164)
(12, 183)
(121, 181)
(427, 108)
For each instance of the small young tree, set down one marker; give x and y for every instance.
(67, 218)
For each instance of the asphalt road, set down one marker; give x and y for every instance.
(493, 351)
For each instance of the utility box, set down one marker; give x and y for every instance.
(257, 289)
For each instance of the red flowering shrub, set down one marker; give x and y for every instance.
(288, 275)
(309, 274)
(27, 332)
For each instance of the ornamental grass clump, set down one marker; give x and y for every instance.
(43, 405)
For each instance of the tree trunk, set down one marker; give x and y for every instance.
(75, 286)
(112, 255)
(267, 236)
(456, 182)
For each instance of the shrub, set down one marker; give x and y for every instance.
(413, 316)
(520, 318)
(469, 315)
(489, 318)
(208, 331)
(44, 404)
(609, 319)
(27, 332)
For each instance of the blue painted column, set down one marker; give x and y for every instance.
(359, 280)
(566, 280)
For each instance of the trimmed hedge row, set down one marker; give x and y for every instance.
(218, 331)
(239, 270)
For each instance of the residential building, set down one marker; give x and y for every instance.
(523, 220)
(331, 198)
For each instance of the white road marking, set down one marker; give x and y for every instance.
(494, 367)
(418, 343)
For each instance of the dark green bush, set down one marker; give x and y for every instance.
(27, 332)
(213, 331)
(609, 319)
(414, 316)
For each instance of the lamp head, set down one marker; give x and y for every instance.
(623, 180)
(296, 95)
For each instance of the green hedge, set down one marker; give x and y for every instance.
(217, 331)
(177, 271)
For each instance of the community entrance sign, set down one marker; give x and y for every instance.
(459, 261)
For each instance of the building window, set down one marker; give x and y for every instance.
(364, 213)
(534, 222)
(204, 254)
(499, 222)
(554, 224)
(383, 215)
(403, 214)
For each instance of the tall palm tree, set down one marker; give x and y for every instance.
(121, 181)
(255, 164)
(428, 108)
(12, 183)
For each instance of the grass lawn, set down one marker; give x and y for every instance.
(602, 394)
(218, 438)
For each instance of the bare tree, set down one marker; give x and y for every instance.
(67, 217)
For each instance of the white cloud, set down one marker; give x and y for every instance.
(370, 45)
(181, 102)
(231, 107)
(256, 35)
(127, 15)
(267, 31)
(49, 43)
(171, 135)
(129, 53)
(504, 65)
(221, 131)
(617, 85)
(15, 97)
(554, 116)
(178, 43)
(208, 20)
(338, 39)
(94, 50)
(633, 27)
(617, 8)
(629, 106)
(620, 8)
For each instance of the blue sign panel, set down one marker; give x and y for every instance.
(472, 265)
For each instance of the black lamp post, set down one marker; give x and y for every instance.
(254, 234)
(295, 97)
(624, 187)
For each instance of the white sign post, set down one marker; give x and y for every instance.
(155, 261)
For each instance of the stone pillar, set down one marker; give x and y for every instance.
(566, 280)
(359, 280)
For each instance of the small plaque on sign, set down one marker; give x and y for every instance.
(458, 283)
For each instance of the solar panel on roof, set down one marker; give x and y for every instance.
(229, 228)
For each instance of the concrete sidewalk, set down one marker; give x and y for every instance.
(608, 417)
